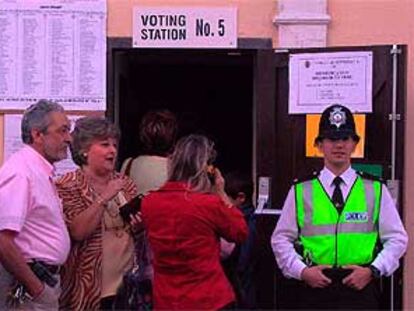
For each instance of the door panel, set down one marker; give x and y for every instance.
(290, 129)
(281, 152)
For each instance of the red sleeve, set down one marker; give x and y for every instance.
(228, 221)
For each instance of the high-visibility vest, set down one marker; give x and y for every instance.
(333, 239)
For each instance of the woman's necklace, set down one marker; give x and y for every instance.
(112, 209)
(112, 221)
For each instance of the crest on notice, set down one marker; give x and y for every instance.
(337, 117)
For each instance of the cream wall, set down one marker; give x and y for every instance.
(353, 22)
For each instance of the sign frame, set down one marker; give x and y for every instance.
(184, 27)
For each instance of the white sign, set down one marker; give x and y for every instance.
(54, 50)
(319, 80)
(13, 142)
(163, 27)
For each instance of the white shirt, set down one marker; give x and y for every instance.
(30, 205)
(391, 231)
(148, 172)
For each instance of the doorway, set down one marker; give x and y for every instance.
(239, 98)
(210, 91)
(227, 95)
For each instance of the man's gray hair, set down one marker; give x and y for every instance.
(37, 117)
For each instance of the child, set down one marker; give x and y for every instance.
(240, 265)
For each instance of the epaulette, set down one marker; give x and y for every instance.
(311, 176)
(365, 175)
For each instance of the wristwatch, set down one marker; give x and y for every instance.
(376, 273)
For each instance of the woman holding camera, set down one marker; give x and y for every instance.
(185, 220)
(102, 244)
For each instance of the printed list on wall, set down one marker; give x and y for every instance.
(54, 50)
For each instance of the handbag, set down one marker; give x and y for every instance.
(135, 291)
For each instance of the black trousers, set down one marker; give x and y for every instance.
(338, 296)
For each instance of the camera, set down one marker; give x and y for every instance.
(130, 208)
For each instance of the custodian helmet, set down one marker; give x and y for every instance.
(337, 122)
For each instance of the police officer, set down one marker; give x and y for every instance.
(338, 217)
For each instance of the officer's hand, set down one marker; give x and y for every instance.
(314, 277)
(359, 277)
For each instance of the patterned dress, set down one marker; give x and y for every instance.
(82, 273)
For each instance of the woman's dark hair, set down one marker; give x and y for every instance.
(188, 163)
(157, 132)
(237, 182)
(88, 130)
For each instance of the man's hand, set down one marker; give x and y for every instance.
(359, 277)
(314, 277)
(36, 291)
(13, 261)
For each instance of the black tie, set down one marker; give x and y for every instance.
(337, 197)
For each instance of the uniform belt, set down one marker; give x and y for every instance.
(336, 274)
(54, 269)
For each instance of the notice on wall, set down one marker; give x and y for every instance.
(312, 126)
(54, 50)
(184, 27)
(318, 80)
(13, 142)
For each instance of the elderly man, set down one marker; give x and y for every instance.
(336, 219)
(34, 241)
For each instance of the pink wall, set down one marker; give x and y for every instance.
(254, 16)
(353, 22)
(359, 22)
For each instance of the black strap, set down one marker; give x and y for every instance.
(128, 166)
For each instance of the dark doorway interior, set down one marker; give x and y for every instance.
(210, 91)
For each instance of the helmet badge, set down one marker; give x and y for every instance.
(337, 117)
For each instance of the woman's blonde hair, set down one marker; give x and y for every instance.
(188, 162)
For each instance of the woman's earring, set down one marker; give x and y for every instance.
(85, 155)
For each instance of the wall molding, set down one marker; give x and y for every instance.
(289, 19)
(302, 23)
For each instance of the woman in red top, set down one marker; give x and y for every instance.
(185, 220)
